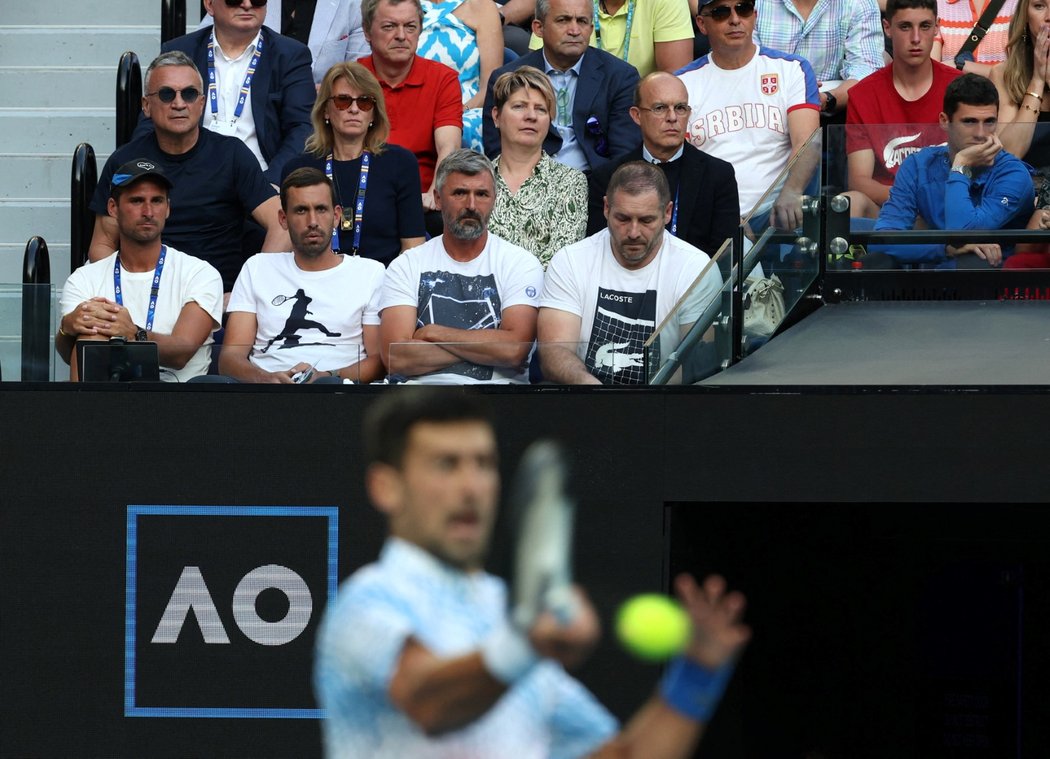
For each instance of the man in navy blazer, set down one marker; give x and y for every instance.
(282, 92)
(703, 188)
(596, 87)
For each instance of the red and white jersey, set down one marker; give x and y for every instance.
(741, 115)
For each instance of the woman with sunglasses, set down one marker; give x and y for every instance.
(541, 205)
(376, 184)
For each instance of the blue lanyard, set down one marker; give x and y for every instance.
(213, 96)
(154, 289)
(627, 31)
(359, 205)
(674, 213)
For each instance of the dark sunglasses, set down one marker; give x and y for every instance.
(743, 9)
(237, 3)
(342, 102)
(167, 94)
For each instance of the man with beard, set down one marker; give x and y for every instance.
(608, 292)
(144, 290)
(461, 308)
(311, 314)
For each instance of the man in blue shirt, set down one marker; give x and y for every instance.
(968, 183)
(418, 655)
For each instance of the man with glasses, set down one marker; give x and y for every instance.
(753, 107)
(242, 57)
(594, 89)
(422, 97)
(217, 181)
(703, 188)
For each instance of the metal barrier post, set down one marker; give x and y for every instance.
(82, 220)
(173, 19)
(36, 311)
(129, 96)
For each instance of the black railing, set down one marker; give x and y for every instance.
(82, 219)
(173, 19)
(129, 96)
(36, 311)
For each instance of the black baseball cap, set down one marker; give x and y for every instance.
(133, 171)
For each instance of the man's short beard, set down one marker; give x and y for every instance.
(466, 232)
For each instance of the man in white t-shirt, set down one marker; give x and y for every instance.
(461, 308)
(604, 296)
(753, 107)
(144, 291)
(308, 315)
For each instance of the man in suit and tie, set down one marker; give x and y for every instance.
(238, 52)
(703, 188)
(594, 89)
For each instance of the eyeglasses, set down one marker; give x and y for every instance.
(237, 3)
(743, 9)
(342, 102)
(167, 94)
(660, 109)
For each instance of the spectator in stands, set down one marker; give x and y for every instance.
(604, 296)
(541, 205)
(650, 35)
(841, 39)
(145, 290)
(461, 309)
(382, 214)
(593, 88)
(419, 655)
(970, 183)
(240, 54)
(1022, 80)
(311, 311)
(754, 108)
(216, 180)
(422, 97)
(706, 206)
(465, 35)
(337, 34)
(957, 20)
(887, 110)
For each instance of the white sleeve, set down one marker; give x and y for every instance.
(243, 296)
(74, 291)
(204, 287)
(523, 281)
(702, 295)
(560, 290)
(371, 312)
(401, 284)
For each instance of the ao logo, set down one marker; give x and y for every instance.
(191, 592)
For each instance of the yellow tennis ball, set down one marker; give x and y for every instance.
(653, 627)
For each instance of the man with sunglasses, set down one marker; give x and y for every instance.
(241, 55)
(703, 188)
(217, 181)
(753, 107)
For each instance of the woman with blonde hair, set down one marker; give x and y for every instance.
(541, 205)
(376, 184)
(1022, 81)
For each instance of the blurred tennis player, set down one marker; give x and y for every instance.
(418, 656)
(309, 315)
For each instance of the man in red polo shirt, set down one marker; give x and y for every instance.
(423, 98)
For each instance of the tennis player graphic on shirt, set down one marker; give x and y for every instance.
(296, 321)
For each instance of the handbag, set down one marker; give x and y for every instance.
(763, 305)
(977, 33)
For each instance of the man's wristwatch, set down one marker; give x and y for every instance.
(966, 171)
(830, 103)
(140, 334)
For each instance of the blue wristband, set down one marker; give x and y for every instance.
(693, 690)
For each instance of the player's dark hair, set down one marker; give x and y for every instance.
(307, 176)
(892, 6)
(969, 89)
(389, 420)
(638, 177)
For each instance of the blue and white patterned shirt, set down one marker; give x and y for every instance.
(409, 593)
(841, 39)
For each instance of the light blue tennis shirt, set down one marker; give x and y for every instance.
(409, 593)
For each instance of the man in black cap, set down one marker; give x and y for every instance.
(145, 290)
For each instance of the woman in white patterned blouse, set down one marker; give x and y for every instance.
(541, 204)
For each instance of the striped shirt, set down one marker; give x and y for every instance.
(409, 593)
(957, 18)
(841, 39)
